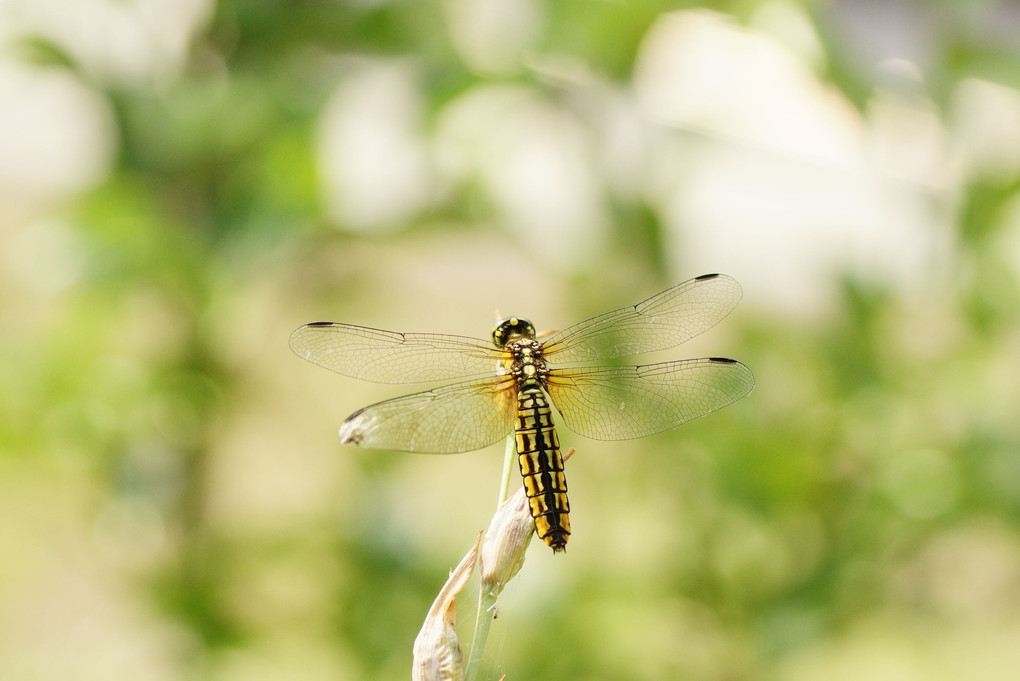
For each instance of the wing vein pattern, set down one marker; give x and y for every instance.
(391, 357)
(624, 402)
(456, 418)
(663, 321)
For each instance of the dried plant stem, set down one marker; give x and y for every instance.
(486, 601)
(508, 464)
(487, 598)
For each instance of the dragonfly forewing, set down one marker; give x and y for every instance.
(663, 321)
(391, 357)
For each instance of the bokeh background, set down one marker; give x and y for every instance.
(184, 182)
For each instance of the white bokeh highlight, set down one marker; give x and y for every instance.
(56, 135)
(113, 40)
(771, 175)
(534, 160)
(494, 36)
(375, 172)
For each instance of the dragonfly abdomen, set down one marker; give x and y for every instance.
(538, 453)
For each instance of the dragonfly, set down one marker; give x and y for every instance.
(512, 382)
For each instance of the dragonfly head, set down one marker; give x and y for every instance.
(508, 330)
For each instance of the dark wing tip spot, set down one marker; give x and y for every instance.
(722, 360)
(705, 277)
(319, 324)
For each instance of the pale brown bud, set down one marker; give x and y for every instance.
(437, 655)
(506, 541)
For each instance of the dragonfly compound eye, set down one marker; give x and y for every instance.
(508, 330)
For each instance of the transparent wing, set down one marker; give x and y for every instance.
(624, 402)
(663, 321)
(455, 418)
(391, 357)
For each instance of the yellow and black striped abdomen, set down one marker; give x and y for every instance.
(538, 452)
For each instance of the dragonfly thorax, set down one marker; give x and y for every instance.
(509, 330)
(528, 363)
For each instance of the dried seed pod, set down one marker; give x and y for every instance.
(506, 541)
(437, 655)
